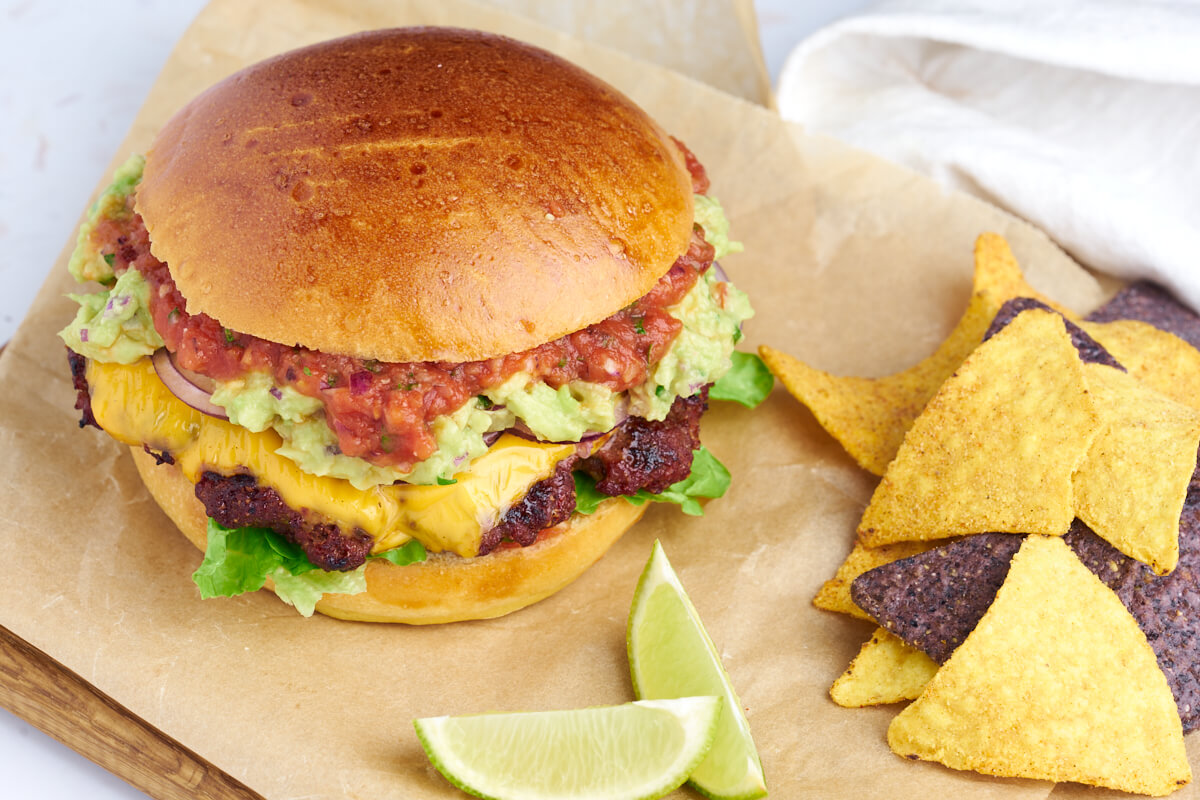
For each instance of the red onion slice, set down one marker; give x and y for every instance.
(490, 437)
(180, 383)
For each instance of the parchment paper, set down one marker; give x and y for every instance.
(853, 264)
(714, 41)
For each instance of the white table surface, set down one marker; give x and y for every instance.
(70, 84)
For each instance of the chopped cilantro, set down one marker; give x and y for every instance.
(445, 481)
(307, 371)
(109, 258)
(639, 326)
(372, 365)
(485, 402)
(229, 335)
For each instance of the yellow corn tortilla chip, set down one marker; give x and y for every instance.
(886, 670)
(834, 594)
(1158, 358)
(869, 416)
(996, 447)
(1056, 682)
(1131, 486)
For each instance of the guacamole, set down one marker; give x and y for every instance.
(87, 262)
(711, 217)
(114, 325)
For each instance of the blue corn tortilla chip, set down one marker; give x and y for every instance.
(934, 599)
(1154, 305)
(1166, 607)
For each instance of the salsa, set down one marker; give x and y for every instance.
(381, 411)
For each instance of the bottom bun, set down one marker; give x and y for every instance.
(445, 587)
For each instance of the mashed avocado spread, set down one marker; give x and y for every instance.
(711, 216)
(112, 325)
(115, 326)
(700, 353)
(87, 263)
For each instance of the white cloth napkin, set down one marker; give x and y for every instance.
(1081, 116)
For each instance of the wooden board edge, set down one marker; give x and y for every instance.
(52, 698)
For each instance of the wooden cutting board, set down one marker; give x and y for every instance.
(56, 700)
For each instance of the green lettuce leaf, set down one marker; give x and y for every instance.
(240, 560)
(303, 591)
(410, 552)
(748, 381)
(587, 497)
(709, 478)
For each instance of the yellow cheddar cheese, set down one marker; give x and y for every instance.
(133, 406)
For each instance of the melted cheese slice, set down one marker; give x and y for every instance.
(133, 406)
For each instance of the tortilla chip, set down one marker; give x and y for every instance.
(869, 416)
(996, 447)
(935, 599)
(1152, 304)
(1131, 486)
(1167, 609)
(1157, 358)
(1090, 351)
(835, 593)
(886, 670)
(1145, 446)
(1055, 683)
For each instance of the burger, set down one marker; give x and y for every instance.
(408, 326)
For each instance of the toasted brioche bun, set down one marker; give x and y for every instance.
(446, 587)
(414, 194)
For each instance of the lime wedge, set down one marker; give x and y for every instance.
(636, 750)
(671, 655)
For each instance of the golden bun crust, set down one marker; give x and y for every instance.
(445, 588)
(414, 194)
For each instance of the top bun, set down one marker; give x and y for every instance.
(414, 194)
